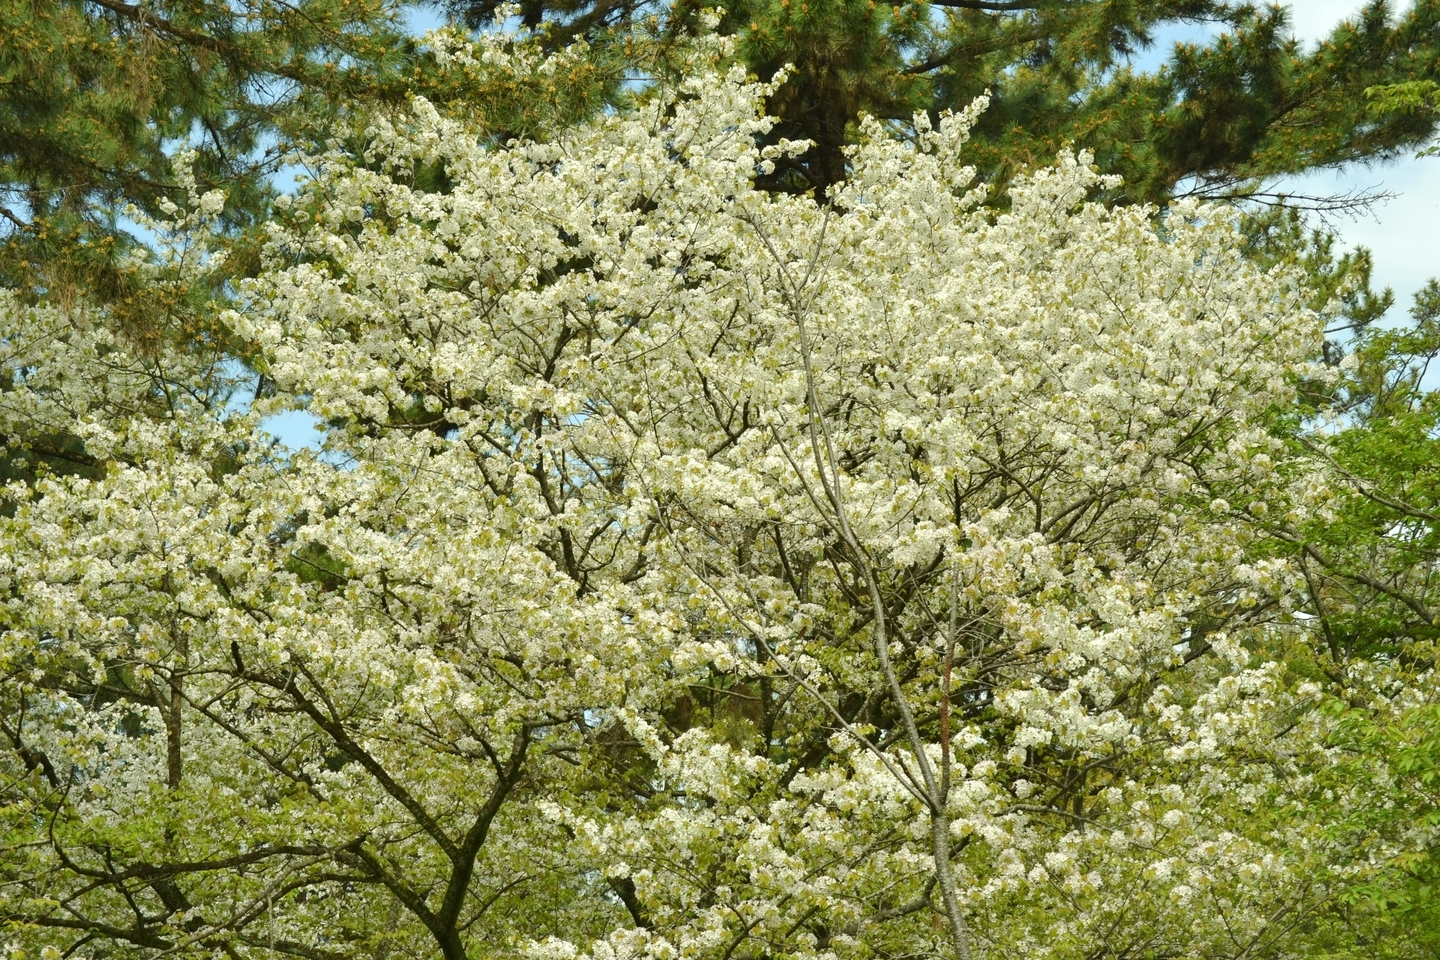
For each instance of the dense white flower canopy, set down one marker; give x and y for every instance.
(691, 571)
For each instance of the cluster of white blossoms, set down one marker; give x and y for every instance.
(567, 645)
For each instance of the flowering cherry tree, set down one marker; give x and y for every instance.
(690, 571)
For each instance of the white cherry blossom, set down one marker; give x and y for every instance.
(690, 571)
